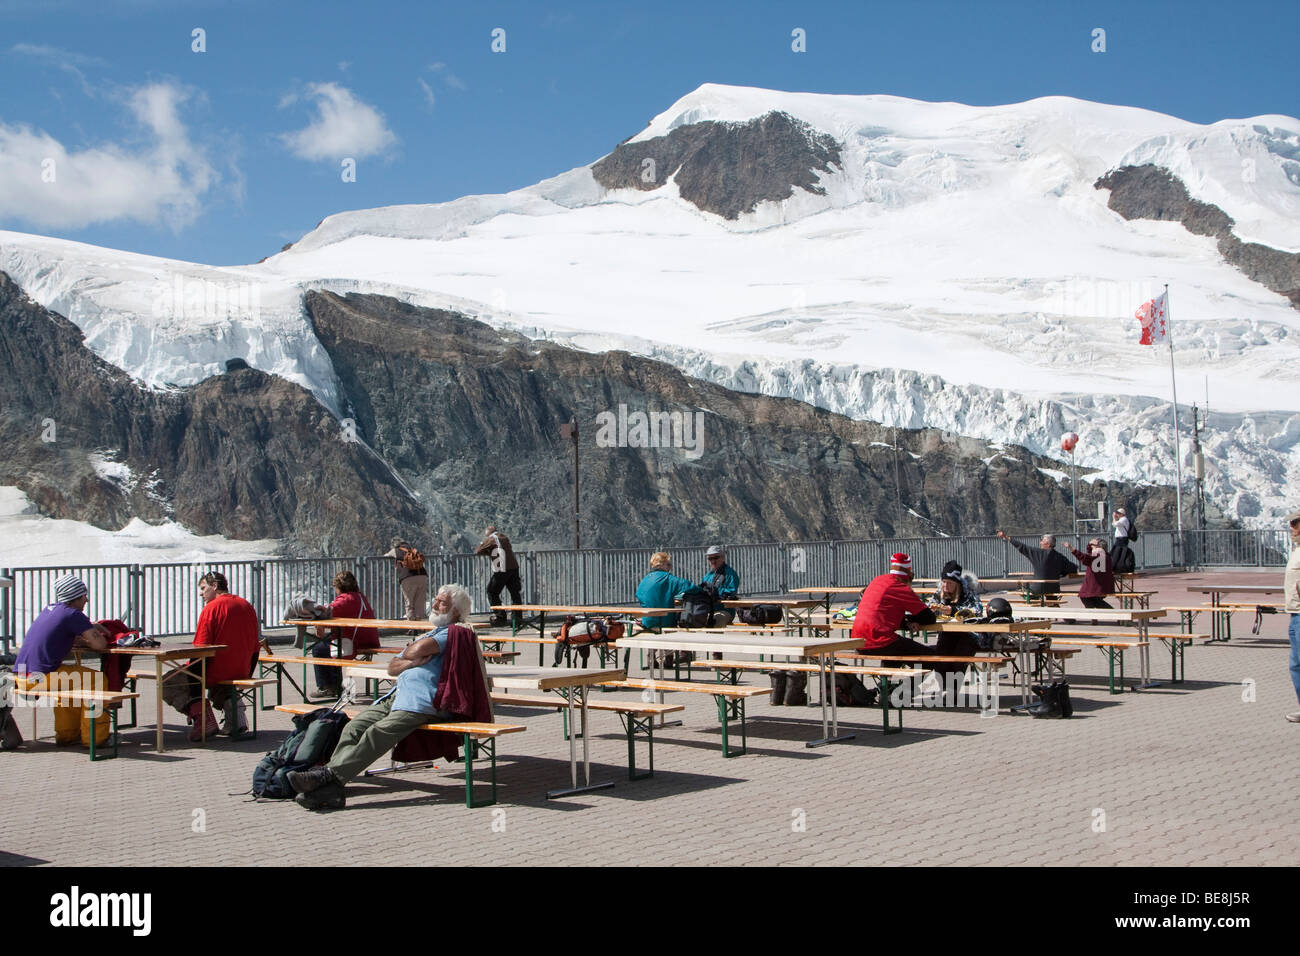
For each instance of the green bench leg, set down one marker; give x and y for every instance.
(132, 688)
(112, 734)
(885, 687)
(488, 746)
(729, 710)
(632, 724)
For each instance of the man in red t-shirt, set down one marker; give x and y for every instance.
(887, 605)
(232, 621)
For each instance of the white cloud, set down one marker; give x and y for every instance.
(344, 127)
(160, 182)
(428, 91)
(448, 77)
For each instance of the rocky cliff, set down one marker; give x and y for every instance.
(1149, 192)
(471, 419)
(725, 168)
(244, 454)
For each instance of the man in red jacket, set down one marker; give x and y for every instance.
(889, 604)
(229, 620)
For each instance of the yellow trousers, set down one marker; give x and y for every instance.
(72, 723)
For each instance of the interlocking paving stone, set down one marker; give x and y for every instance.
(1184, 774)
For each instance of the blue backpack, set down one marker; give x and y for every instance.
(312, 743)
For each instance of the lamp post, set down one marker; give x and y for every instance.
(1068, 441)
(570, 430)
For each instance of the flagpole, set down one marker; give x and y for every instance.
(1178, 453)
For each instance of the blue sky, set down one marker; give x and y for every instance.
(224, 156)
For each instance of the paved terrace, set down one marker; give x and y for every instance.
(1189, 774)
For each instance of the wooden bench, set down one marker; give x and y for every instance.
(1112, 643)
(1187, 615)
(730, 699)
(271, 667)
(636, 717)
(477, 737)
(67, 697)
(883, 677)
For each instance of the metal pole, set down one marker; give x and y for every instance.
(1074, 508)
(577, 537)
(1178, 454)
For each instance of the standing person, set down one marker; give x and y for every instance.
(412, 577)
(225, 620)
(1048, 564)
(725, 581)
(353, 641)
(1098, 580)
(1121, 551)
(1291, 585)
(505, 573)
(59, 628)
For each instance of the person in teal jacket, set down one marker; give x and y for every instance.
(723, 577)
(660, 588)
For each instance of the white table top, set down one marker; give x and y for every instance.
(518, 676)
(789, 645)
(1241, 588)
(1028, 612)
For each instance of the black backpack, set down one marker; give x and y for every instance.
(312, 742)
(761, 614)
(697, 606)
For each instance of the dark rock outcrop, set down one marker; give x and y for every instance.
(1151, 192)
(470, 417)
(726, 168)
(243, 454)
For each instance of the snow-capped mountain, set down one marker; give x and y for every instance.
(908, 262)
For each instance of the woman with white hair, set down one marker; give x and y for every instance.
(409, 705)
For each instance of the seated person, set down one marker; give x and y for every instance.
(225, 620)
(354, 641)
(889, 604)
(725, 581)
(1098, 578)
(956, 598)
(421, 683)
(661, 588)
(59, 628)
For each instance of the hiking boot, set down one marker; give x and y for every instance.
(1294, 718)
(778, 679)
(305, 781)
(328, 797)
(234, 722)
(1049, 705)
(1067, 708)
(202, 707)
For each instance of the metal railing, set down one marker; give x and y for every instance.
(163, 599)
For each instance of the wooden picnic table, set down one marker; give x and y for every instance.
(1138, 617)
(822, 648)
(167, 661)
(570, 682)
(564, 610)
(1016, 630)
(1220, 620)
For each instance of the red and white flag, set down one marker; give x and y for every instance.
(1154, 319)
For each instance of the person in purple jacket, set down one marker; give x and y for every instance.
(59, 628)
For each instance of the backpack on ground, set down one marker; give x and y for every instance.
(412, 559)
(314, 737)
(851, 692)
(697, 606)
(761, 614)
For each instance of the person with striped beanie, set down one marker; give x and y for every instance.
(58, 629)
